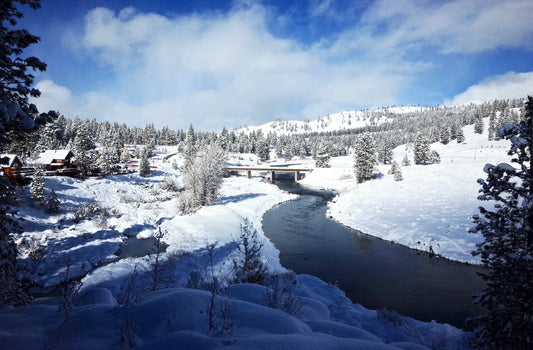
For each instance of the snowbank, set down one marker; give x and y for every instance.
(430, 209)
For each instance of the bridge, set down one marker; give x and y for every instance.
(272, 170)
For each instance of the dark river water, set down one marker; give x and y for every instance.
(372, 272)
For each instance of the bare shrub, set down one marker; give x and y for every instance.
(281, 293)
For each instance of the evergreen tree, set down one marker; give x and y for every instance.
(37, 186)
(189, 147)
(393, 167)
(385, 152)
(364, 158)
(421, 151)
(460, 135)
(492, 127)
(434, 157)
(53, 205)
(17, 117)
(144, 166)
(507, 250)
(398, 174)
(83, 149)
(262, 150)
(405, 161)
(444, 136)
(478, 124)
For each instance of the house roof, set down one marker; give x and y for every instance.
(48, 156)
(11, 158)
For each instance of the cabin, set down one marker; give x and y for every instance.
(56, 160)
(10, 165)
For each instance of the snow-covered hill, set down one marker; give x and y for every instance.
(334, 122)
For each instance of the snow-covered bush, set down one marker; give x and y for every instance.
(170, 183)
(92, 210)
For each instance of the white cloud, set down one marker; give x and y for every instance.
(506, 86)
(460, 26)
(214, 70)
(228, 69)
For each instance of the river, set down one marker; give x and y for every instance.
(372, 272)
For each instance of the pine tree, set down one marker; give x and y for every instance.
(364, 158)
(398, 174)
(17, 118)
(460, 135)
(83, 149)
(392, 168)
(37, 186)
(406, 161)
(507, 250)
(262, 150)
(492, 127)
(478, 124)
(53, 205)
(421, 151)
(434, 157)
(144, 166)
(386, 152)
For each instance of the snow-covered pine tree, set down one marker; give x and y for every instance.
(322, 157)
(398, 174)
(492, 127)
(262, 149)
(364, 158)
(385, 151)
(189, 147)
(110, 152)
(37, 186)
(17, 118)
(393, 167)
(421, 150)
(507, 250)
(144, 166)
(478, 124)
(434, 157)
(460, 136)
(406, 161)
(53, 205)
(83, 149)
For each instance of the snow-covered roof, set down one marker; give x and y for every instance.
(11, 157)
(48, 156)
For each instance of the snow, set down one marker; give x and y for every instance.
(431, 208)
(48, 156)
(105, 317)
(10, 159)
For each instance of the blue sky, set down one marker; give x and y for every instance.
(233, 63)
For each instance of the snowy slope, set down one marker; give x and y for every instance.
(431, 207)
(334, 122)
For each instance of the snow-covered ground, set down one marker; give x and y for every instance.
(431, 207)
(115, 309)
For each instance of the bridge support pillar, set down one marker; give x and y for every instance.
(272, 177)
(296, 176)
(248, 174)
